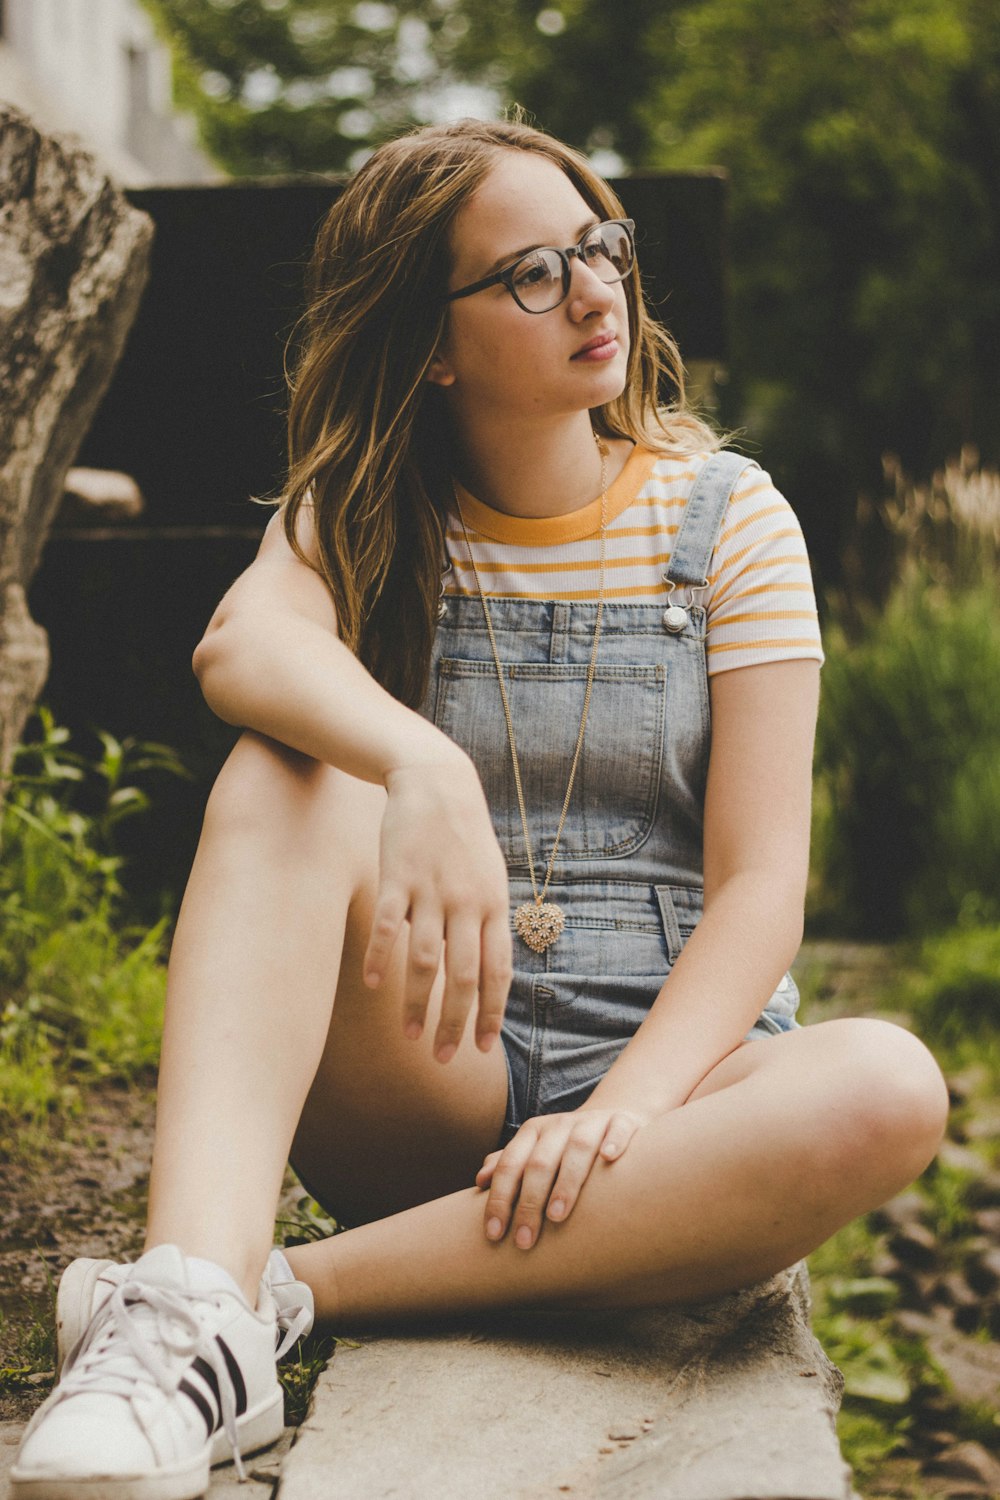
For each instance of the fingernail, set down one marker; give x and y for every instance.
(523, 1238)
(556, 1208)
(494, 1229)
(446, 1053)
(413, 1030)
(611, 1148)
(371, 977)
(486, 1040)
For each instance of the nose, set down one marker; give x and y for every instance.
(587, 292)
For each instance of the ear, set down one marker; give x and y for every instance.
(440, 372)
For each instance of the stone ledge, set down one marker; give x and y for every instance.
(728, 1400)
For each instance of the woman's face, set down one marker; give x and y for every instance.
(497, 358)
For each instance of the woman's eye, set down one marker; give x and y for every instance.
(532, 273)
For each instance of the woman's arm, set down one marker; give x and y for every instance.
(271, 660)
(757, 818)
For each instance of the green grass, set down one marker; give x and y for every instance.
(28, 1344)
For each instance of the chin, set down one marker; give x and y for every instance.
(611, 383)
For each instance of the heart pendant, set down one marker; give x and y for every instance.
(539, 924)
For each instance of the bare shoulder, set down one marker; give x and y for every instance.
(275, 538)
(280, 580)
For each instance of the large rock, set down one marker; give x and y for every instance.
(73, 263)
(725, 1400)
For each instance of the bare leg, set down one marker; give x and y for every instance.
(287, 845)
(782, 1143)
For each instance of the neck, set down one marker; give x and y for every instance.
(534, 471)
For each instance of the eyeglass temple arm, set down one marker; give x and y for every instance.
(477, 286)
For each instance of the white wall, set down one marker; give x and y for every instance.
(96, 67)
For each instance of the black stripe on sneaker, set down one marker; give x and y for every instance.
(208, 1375)
(201, 1404)
(235, 1375)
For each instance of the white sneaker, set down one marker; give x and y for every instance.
(166, 1381)
(86, 1284)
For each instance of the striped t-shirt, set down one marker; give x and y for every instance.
(759, 600)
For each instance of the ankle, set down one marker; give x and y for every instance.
(206, 1262)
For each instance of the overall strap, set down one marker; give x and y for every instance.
(701, 523)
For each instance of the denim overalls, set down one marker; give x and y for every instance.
(628, 872)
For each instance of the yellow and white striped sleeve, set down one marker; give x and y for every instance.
(761, 603)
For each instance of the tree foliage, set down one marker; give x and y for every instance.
(284, 86)
(863, 139)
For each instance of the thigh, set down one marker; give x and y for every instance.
(384, 1125)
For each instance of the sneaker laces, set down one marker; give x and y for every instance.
(97, 1362)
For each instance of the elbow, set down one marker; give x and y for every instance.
(208, 663)
(205, 653)
(199, 661)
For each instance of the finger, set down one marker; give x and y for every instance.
(506, 1182)
(422, 964)
(495, 975)
(577, 1162)
(391, 905)
(461, 967)
(485, 1173)
(536, 1185)
(621, 1129)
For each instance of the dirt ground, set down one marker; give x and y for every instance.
(85, 1196)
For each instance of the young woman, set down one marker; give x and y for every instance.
(507, 869)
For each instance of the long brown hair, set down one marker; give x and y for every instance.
(369, 445)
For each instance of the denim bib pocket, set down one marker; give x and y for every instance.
(613, 806)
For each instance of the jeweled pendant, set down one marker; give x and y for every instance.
(539, 923)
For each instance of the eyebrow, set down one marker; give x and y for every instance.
(510, 257)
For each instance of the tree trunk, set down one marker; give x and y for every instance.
(73, 264)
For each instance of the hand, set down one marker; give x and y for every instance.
(542, 1170)
(442, 869)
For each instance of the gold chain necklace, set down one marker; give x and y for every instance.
(540, 922)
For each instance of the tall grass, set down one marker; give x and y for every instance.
(81, 989)
(908, 746)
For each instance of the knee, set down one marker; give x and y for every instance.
(896, 1100)
(268, 794)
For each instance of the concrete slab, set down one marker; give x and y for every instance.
(728, 1400)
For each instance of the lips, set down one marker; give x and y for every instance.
(598, 342)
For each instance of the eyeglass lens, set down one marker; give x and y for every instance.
(541, 280)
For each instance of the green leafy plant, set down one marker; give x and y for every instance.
(81, 990)
(908, 745)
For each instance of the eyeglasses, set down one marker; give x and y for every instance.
(539, 281)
